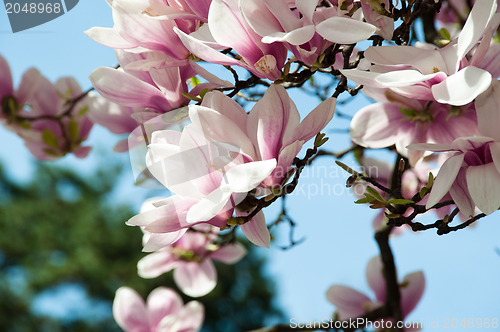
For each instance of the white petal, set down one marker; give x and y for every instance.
(411, 293)
(208, 207)
(256, 230)
(229, 254)
(484, 187)
(400, 78)
(342, 30)
(109, 37)
(245, 177)
(495, 154)
(445, 178)
(488, 111)
(129, 310)
(349, 302)
(163, 302)
(462, 87)
(196, 279)
(475, 25)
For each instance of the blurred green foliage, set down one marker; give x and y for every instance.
(61, 229)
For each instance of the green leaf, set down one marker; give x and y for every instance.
(83, 111)
(190, 97)
(346, 168)
(195, 81)
(423, 192)
(50, 139)
(445, 33)
(363, 201)
(375, 194)
(73, 130)
(430, 181)
(399, 201)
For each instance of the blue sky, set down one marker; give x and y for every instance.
(462, 269)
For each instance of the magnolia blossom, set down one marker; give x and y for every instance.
(445, 74)
(374, 13)
(164, 311)
(158, 89)
(351, 304)
(228, 29)
(137, 30)
(223, 156)
(272, 129)
(47, 116)
(191, 259)
(306, 31)
(472, 174)
(208, 179)
(403, 121)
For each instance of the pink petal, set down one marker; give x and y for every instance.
(475, 26)
(272, 118)
(202, 50)
(375, 278)
(349, 302)
(109, 37)
(226, 106)
(342, 30)
(160, 240)
(156, 264)
(424, 60)
(163, 219)
(125, 89)
(229, 254)
(487, 109)
(402, 78)
(462, 87)
(495, 154)
(412, 291)
(316, 120)
(460, 195)
(484, 187)
(196, 279)
(295, 37)
(6, 87)
(208, 207)
(445, 178)
(191, 317)
(245, 177)
(220, 128)
(376, 126)
(307, 8)
(163, 302)
(228, 28)
(129, 311)
(256, 231)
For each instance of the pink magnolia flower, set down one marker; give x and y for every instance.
(272, 130)
(306, 31)
(228, 29)
(373, 12)
(472, 174)
(137, 29)
(225, 154)
(403, 121)
(191, 259)
(445, 74)
(351, 304)
(160, 89)
(44, 114)
(208, 179)
(164, 311)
